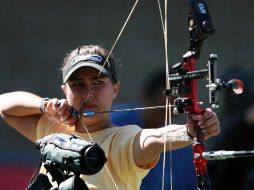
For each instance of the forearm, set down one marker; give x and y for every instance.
(19, 104)
(149, 143)
(175, 136)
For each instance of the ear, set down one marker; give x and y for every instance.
(63, 87)
(116, 88)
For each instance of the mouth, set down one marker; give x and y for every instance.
(89, 107)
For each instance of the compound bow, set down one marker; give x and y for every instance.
(185, 87)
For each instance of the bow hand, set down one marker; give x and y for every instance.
(205, 125)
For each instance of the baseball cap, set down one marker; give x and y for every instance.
(90, 60)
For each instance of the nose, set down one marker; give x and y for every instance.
(87, 97)
(89, 94)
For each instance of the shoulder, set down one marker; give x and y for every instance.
(48, 125)
(116, 135)
(127, 130)
(125, 135)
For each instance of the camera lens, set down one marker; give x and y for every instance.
(94, 159)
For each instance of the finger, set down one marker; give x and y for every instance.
(192, 129)
(208, 113)
(213, 126)
(65, 114)
(62, 106)
(53, 104)
(68, 118)
(209, 110)
(71, 120)
(211, 122)
(50, 108)
(195, 117)
(207, 116)
(210, 133)
(212, 130)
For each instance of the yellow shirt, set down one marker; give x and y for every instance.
(117, 143)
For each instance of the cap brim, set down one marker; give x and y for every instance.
(86, 64)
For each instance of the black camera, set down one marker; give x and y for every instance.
(65, 157)
(71, 153)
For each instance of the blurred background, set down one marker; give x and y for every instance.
(35, 36)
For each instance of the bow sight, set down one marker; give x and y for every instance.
(184, 87)
(182, 80)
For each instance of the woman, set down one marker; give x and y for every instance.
(90, 85)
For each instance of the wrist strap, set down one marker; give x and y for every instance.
(188, 132)
(42, 104)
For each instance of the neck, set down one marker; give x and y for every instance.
(83, 125)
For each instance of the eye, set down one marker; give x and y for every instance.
(76, 83)
(97, 82)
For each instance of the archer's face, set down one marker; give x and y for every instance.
(102, 91)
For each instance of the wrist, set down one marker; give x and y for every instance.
(188, 132)
(43, 104)
(181, 134)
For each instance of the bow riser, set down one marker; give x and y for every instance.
(203, 180)
(190, 65)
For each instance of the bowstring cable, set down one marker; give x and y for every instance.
(168, 102)
(168, 106)
(119, 35)
(91, 88)
(111, 177)
(161, 16)
(113, 46)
